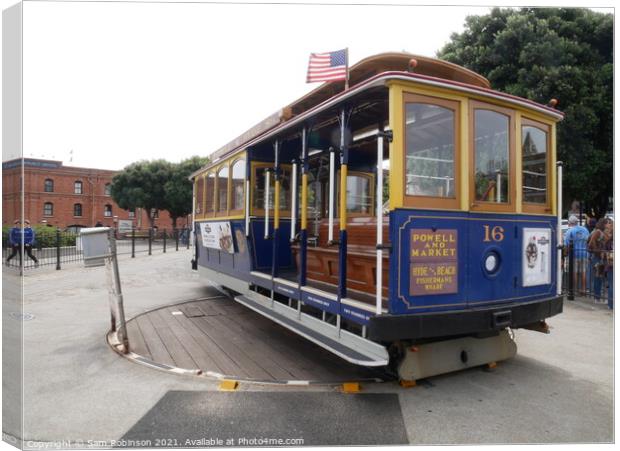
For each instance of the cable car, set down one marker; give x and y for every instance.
(409, 220)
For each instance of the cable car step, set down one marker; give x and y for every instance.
(346, 345)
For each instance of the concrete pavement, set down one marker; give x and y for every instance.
(559, 388)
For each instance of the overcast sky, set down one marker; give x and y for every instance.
(120, 82)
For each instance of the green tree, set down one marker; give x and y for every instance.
(178, 189)
(545, 53)
(142, 185)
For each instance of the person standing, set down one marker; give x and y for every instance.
(18, 234)
(576, 237)
(596, 246)
(609, 262)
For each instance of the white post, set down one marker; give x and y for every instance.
(330, 232)
(267, 188)
(247, 207)
(379, 199)
(559, 229)
(115, 291)
(294, 201)
(498, 186)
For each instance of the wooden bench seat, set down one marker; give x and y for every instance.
(322, 260)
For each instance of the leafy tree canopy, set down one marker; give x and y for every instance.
(142, 185)
(178, 189)
(545, 53)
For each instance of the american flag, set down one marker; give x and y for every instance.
(327, 66)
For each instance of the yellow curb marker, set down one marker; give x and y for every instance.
(407, 384)
(351, 387)
(228, 385)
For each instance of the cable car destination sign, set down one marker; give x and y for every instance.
(433, 262)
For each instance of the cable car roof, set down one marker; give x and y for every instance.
(372, 72)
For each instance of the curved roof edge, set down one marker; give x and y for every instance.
(389, 62)
(429, 71)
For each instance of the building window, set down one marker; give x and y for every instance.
(535, 138)
(107, 211)
(155, 213)
(77, 187)
(77, 209)
(48, 186)
(131, 214)
(48, 209)
(107, 190)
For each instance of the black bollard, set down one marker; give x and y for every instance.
(571, 271)
(57, 249)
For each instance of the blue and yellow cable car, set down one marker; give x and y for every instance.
(409, 220)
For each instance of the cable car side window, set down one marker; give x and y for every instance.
(493, 157)
(535, 162)
(210, 193)
(222, 190)
(258, 190)
(199, 192)
(360, 194)
(431, 152)
(285, 188)
(238, 183)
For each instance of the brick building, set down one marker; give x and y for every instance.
(65, 196)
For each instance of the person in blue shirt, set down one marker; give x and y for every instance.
(576, 237)
(16, 235)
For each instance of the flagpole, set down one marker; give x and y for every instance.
(346, 80)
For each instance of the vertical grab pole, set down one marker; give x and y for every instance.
(332, 183)
(294, 200)
(276, 219)
(498, 186)
(303, 245)
(247, 196)
(276, 210)
(342, 257)
(267, 187)
(379, 200)
(559, 229)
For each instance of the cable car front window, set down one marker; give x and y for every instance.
(430, 150)
(534, 147)
(491, 156)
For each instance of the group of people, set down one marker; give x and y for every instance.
(18, 233)
(593, 256)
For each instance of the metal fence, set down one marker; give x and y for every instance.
(56, 247)
(586, 273)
